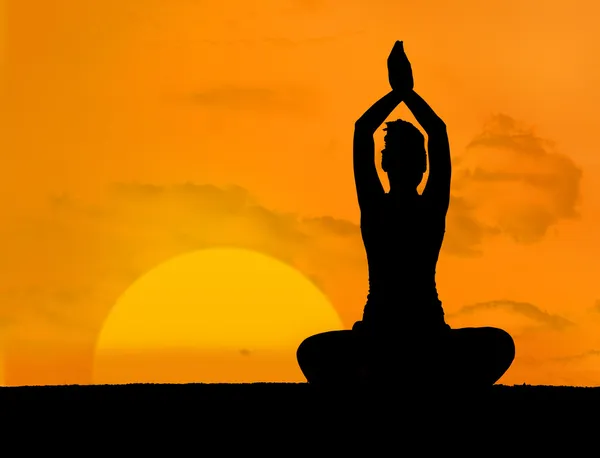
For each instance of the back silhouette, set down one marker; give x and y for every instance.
(403, 337)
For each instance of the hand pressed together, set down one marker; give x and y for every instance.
(399, 69)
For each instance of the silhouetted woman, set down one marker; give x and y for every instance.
(403, 336)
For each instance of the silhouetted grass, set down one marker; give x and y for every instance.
(268, 395)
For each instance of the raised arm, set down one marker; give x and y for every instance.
(368, 185)
(437, 189)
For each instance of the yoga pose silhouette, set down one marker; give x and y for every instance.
(403, 337)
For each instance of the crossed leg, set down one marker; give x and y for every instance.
(464, 357)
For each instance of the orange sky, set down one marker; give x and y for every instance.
(219, 104)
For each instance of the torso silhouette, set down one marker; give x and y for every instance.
(402, 238)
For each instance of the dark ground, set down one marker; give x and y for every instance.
(301, 395)
(524, 416)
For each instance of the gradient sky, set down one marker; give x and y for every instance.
(136, 130)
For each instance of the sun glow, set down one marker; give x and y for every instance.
(216, 315)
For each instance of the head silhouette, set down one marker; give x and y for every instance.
(404, 158)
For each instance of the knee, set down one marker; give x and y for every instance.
(506, 347)
(305, 352)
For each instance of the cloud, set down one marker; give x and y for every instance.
(525, 309)
(88, 254)
(578, 357)
(465, 233)
(211, 216)
(51, 305)
(510, 181)
(338, 227)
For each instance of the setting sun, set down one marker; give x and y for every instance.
(216, 315)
